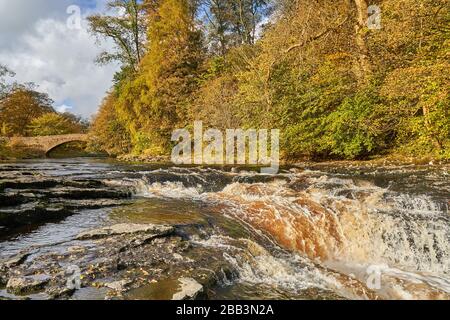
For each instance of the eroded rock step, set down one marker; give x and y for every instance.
(12, 199)
(29, 183)
(35, 200)
(78, 194)
(41, 212)
(31, 213)
(46, 183)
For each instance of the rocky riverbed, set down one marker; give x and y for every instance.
(119, 261)
(95, 229)
(29, 197)
(112, 261)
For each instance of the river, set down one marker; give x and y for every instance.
(328, 231)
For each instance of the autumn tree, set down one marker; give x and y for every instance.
(126, 26)
(339, 89)
(413, 56)
(156, 101)
(107, 132)
(232, 23)
(51, 124)
(336, 87)
(20, 106)
(245, 17)
(82, 124)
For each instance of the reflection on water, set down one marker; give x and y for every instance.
(308, 233)
(158, 211)
(248, 291)
(162, 290)
(47, 237)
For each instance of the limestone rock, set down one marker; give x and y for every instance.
(118, 286)
(127, 229)
(60, 292)
(17, 260)
(25, 285)
(190, 290)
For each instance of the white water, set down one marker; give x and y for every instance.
(336, 230)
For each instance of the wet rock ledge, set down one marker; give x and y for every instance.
(28, 199)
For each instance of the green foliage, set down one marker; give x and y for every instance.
(52, 124)
(107, 133)
(334, 88)
(231, 23)
(125, 27)
(350, 131)
(155, 101)
(19, 107)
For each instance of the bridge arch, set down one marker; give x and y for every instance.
(60, 144)
(46, 144)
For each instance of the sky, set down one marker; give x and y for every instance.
(41, 41)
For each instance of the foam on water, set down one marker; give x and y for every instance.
(334, 221)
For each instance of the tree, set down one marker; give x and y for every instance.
(156, 101)
(108, 134)
(245, 16)
(20, 106)
(81, 123)
(232, 23)
(216, 15)
(126, 27)
(4, 71)
(412, 55)
(333, 86)
(51, 124)
(338, 89)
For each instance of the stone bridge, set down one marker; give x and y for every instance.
(46, 144)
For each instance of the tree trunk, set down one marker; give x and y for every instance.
(365, 69)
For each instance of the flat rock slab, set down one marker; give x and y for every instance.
(27, 285)
(90, 204)
(119, 286)
(190, 290)
(16, 260)
(127, 229)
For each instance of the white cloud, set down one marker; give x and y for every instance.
(40, 48)
(63, 108)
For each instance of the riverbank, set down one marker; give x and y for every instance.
(10, 154)
(18, 152)
(387, 160)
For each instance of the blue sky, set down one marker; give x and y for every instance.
(37, 44)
